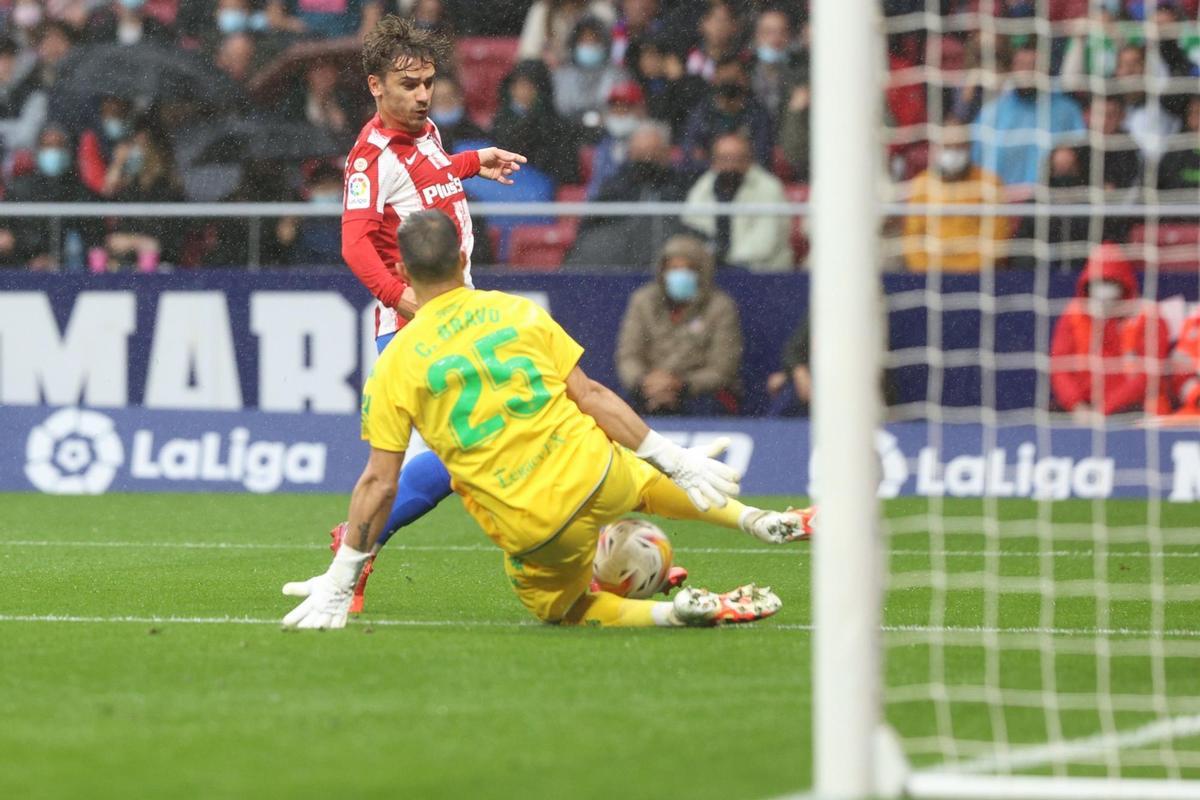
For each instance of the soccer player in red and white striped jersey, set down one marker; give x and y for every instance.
(398, 166)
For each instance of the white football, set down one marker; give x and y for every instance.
(633, 559)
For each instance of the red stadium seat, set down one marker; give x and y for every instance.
(798, 193)
(587, 154)
(23, 162)
(1067, 9)
(483, 62)
(541, 247)
(1178, 246)
(571, 193)
(780, 166)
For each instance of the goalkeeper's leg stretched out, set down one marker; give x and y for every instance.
(553, 579)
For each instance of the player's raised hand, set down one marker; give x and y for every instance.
(497, 165)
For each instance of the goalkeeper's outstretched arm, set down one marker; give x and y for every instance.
(708, 482)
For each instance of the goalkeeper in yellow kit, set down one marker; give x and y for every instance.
(542, 456)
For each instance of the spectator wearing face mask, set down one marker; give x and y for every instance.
(549, 25)
(955, 244)
(626, 110)
(315, 241)
(326, 19)
(527, 122)
(53, 180)
(638, 20)
(671, 93)
(236, 17)
(581, 87)
(98, 142)
(449, 112)
(720, 39)
(730, 107)
(1179, 169)
(143, 171)
(126, 22)
(1099, 345)
(679, 349)
(758, 242)
(22, 108)
(1009, 137)
(621, 243)
(1146, 119)
(779, 67)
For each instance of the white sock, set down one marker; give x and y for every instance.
(664, 615)
(744, 518)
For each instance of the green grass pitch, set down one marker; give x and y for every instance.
(446, 687)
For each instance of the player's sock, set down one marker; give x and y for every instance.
(424, 482)
(613, 611)
(663, 498)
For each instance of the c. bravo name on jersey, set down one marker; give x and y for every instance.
(471, 318)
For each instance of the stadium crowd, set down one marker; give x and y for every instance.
(683, 100)
(160, 101)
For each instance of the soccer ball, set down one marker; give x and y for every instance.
(633, 558)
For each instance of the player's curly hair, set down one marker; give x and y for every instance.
(393, 38)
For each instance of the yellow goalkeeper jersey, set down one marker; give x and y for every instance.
(482, 376)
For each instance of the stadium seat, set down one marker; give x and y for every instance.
(23, 162)
(572, 193)
(798, 193)
(780, 166)
(482, 64)
(587, 154)
(1178, 246)
(1067, 9)
(541, 247)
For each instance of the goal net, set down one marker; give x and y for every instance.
(1040, 469)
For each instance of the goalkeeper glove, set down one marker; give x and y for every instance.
(708, 482)
(329, 594)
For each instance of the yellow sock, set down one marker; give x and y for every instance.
(663, 498)
(613, 611)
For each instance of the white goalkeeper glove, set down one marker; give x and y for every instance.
(708, 482)
(327, 596)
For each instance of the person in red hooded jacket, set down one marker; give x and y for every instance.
(1108, 371)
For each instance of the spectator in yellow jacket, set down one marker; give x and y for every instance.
(955, 243)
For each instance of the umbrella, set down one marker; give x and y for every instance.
(237, 140)
(288, 67)
(147, 72)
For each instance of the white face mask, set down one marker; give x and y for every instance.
(1105, 292)
(953, 161)
(620, 126)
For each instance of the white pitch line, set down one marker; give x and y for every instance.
(1072, 750)
(469, 623)
(798, 552)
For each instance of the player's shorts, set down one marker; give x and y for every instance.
(552, 576)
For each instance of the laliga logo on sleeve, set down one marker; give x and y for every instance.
(73, 452)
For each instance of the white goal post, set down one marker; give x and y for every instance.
(856, 755)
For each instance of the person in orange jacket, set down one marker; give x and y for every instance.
(1107, 371)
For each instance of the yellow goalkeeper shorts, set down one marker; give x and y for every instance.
(551, 577)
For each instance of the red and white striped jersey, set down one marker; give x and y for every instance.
(389, 175)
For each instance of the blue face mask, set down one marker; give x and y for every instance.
(447, 118)
(331, 197)
(53, 161)
(114, 128)
(770, 55)
(133, 5)
(681, 285)
(518, 109)
(134, 161)
(232, 20)
(589, 56)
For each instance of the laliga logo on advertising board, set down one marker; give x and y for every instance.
(73, 452)
(77, 451)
